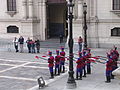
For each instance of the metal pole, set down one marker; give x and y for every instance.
(85, 30)
(71, 81)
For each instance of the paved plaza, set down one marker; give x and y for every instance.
(19, 71)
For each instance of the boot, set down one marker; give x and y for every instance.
(58, 71)
(84, 73)
(55, 71)
(80, 76)
(76, 75)
(52, 76)
(108, 79)
(63, 69)
(60, 68)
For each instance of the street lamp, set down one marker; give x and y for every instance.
(71, 81)
(85, 25)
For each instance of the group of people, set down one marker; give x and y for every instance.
(31, 45)
(83, 64)
(58, 62)
(111, 64)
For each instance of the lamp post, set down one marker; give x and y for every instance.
(71, 81)
(85, 25)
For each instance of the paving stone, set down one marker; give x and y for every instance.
(13, 84)
(11, 62)
(27, 72)
(3, 67)
(37, 64)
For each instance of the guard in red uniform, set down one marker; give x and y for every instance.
(84, 63)
(51, 64)
(62, 60)
(115, 56)
(88, 61)
(57, 63)
(79, 67)
(108, 69)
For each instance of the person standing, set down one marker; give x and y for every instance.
(37, 42)
(33, 46)
(51, 64)
(108, 69)
(21, 42)
(62, 60)
(57, 63)
(80, 41)
(15, 41)
(84, 63)
(29, 45)
(79, 67)
(61, 38)
(88, 61)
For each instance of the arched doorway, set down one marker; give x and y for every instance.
(56, 18)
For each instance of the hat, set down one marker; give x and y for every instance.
(62, 48)
(49, 53)
(57, 51)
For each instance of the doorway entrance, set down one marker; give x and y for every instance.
(56, 19)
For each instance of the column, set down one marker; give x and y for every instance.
(30, 9)
(80, 9)
(44, 19)
(24, 9)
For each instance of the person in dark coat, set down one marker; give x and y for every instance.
(21, 42)
(29, 45)
(37, 42)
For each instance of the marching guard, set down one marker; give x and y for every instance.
(88, 61)
(57, 63)
(84, 63)
(79, 67)
(109, 69)
(51, 64)
(62, 60)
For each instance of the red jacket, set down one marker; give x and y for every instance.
(87, 57)
(109, 65)
(57, 59)
(62, 55)
(51, 61)
(80, 63)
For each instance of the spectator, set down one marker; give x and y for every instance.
(80, 41)
(29, 45)
(21, 42)
(37, 45)
(15, 41)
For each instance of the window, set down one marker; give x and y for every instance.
(11, 5)
(12, 29)
(115, 31)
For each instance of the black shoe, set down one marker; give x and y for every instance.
(84, 76)
(76, 79)
(51, 77)
(107, 81)
(80, 78)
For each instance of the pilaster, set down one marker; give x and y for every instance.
(24, 9)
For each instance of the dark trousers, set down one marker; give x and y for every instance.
(16, 48)
(88, 68)
(84, 71)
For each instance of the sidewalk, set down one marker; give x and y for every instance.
(95, 81)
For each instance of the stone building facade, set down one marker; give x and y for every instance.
(44, 19)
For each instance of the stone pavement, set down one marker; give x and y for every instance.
(19, 71)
